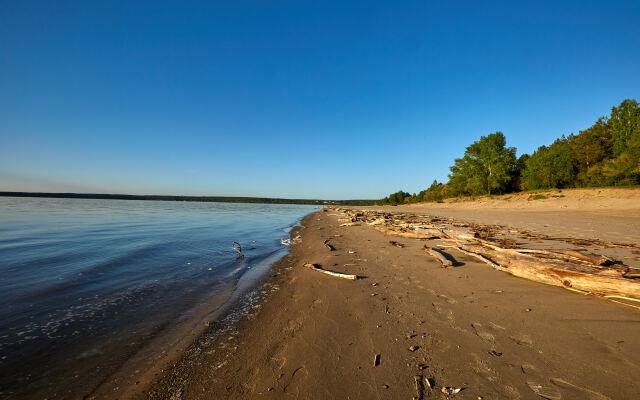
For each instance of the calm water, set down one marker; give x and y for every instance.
(85, 283)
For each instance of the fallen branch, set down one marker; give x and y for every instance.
(396, 244)
(437, 254)
(412, 234)
(236, 246)
(558, 273)
(332, 273)
(590, 258)
(328, 245)
(559, 267)
(478, 256)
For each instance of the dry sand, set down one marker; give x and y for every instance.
(605, 214)
(471, 327)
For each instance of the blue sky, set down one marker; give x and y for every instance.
(294, 98)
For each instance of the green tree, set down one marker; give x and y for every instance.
(487, 166)
(395, 198)
(624, 124)
(592, 145)
(550, 167)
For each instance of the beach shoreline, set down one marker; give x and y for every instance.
(407, 324)
(203, 323)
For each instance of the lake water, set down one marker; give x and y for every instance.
(86, 283)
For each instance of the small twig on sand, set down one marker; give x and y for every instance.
(332, 273)
(328, 245)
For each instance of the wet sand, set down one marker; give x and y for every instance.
(471, 327)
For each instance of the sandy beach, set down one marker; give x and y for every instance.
(409, 328)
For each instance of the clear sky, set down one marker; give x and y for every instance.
(304, 99)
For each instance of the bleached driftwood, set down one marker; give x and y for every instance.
(411, 234)
(560, 267)
(396, 244)
(478, 256)
(590, 258)
(437, 254)
(332, 273)
(350, 224)
(559, 273)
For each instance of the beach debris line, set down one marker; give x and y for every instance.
(350, 224)
(438, 254)
(319, 268)
(567, 268)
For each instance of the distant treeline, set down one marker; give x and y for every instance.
(221, 199)
(605, 154)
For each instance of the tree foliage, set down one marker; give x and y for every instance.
(605, 154)
(550, 167)
(395, 198)
(625, 128)
(487, 166)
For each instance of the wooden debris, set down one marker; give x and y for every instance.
(396, 244)
(430, 383)
(236, 246)
(328, 245)
(437, 254)
(590, 258)
(351, 224)
(559, 273)
(411, 234)
(572, 269)
(478, 256)
(332, 273)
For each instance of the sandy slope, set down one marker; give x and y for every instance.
(475, 328)
(605, 214)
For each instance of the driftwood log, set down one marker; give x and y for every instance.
(559, 273)
(318, 268)
(411, 234)
(328, 245)
(437, 254)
